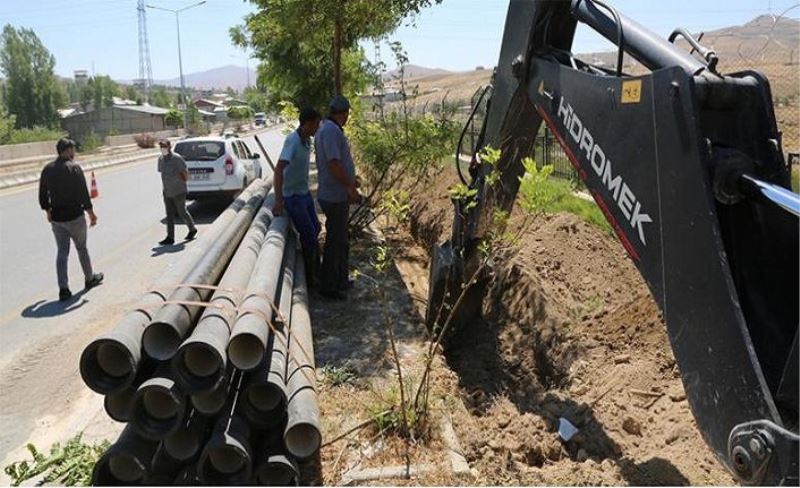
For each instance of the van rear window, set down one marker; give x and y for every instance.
(200, 150)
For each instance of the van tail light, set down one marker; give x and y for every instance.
(229, 165)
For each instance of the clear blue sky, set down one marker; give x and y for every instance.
(456, 35)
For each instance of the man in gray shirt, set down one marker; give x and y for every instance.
(337, 190)
(173, 178)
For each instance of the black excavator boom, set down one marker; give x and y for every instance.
(688, 168)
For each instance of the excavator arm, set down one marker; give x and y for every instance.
(688, 168)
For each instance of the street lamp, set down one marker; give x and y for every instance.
(180, 59)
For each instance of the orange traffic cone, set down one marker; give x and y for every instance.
(94, 193)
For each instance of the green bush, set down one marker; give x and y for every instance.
(67, 465)
(6, 128)
(9, 135)
(173, 118)
(397, 149)
(240, 112)
(90, 142)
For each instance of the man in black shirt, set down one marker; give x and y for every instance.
(63, 195)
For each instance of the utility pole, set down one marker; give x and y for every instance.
(145, 69)
(180, 58)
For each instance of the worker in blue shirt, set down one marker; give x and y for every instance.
(292, 190)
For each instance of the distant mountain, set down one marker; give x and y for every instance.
(413, 71)
(764, 40)
(212, 79)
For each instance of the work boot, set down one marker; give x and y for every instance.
(64, 294)
(97, 278)
(190, 236)
(167, 242)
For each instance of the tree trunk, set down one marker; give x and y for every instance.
(337, 57)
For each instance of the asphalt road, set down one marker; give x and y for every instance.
(40, 337)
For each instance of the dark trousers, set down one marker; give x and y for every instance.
(304, 217)
(177, 206)
(336, 256)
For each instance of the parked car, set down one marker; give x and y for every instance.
(260, 119)
(218, 166)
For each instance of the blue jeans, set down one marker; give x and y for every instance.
(304, 217)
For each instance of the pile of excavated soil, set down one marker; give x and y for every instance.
(568, 330)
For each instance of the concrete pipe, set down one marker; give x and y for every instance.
(159, 406)
(199, 364)
(212, 402)
(109, 363)
(277, 470)
(262, 405)
(248, 341)
(264, 402)
(186, 477)
(227, 456)
(302, 435)
(119, 405)
(184, 444)
(164, 468)
(172, 322)
(126, 462)
(286, 288)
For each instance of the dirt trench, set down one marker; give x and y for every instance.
(568, 330)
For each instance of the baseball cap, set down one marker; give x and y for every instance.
(339, 104)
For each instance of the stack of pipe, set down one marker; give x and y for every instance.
(213, 369)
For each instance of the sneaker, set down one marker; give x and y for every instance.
(97, 278)
(167, 242)
(190, 236)
(64, 294)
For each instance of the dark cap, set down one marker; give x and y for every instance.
(339, 104)
(63, 144)
(164, 143)
(308, 114)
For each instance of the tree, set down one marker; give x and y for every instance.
(99, 92)
(160, 98)
(240, 112)
(231, 92)
(131, 93)
(174, 118)
(309, 48)
(73, 90)
(256, 98)
(33, 93)
(104, 91)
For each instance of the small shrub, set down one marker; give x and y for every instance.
(173, 118)
(338, 375)
(90, 142)
(145, 140)
(10, 135)
(70, 465)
